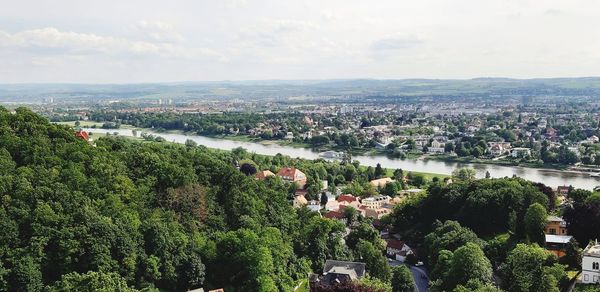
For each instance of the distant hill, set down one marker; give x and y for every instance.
(480, 87)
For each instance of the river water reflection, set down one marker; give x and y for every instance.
(551, 178)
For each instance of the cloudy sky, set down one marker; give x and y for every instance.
(112, 41)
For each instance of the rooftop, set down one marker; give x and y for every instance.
(593, 249)
(353, 269)
(551, 238)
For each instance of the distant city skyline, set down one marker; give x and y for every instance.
(156, 41)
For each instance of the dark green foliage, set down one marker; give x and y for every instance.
(402, 280)
(126, 215)
(485, 206)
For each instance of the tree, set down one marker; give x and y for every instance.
(448, 236)
(92, 281)
(324, 199)
(398, 174)
(248, 167)
(469, 263)
(379, 172)
(402, 280)
(535, 221)
(578, 217)
(190, 143)
(523, 269)
(372, 256)
(465, 174)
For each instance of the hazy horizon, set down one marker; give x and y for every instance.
(114, 42)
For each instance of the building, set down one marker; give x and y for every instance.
(557, 244)
(337, 272)
(436, 147)
(376, 213)
(375, 202)
(520, 152)
(300, 201)
(261, 175)
(497, 149)
(590, 264)
(397, 249)
(556, 226)
(336, 215)
(380, 183)
(563, 190)
(292, 174)
(82, 135)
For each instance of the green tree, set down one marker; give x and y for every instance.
(535, 221)
(372, 256)
(464, 174)
(402, 280)
(469, 263)
(92, 281)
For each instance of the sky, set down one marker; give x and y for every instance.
(110, 41)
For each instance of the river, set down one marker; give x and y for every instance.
(549, 177)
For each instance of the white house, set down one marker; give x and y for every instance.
(590, 264)
(375, 202)
(436, 147)
(521, 152)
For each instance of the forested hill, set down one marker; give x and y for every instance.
(129, 215)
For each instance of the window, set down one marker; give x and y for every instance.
(586, 277)
(552, 231)
(595, 266)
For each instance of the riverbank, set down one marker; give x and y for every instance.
(550, 177)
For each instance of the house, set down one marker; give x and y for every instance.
(289, 136)
(498, 149)
(397, 249)
(380, 183)
(590, 264)
(261, 175)
(376, 213)
(292, 174)
(300, 201)
(563, 190)
(436, 147)
(82, 135)
(336, 215)
(337, 272)
(555, 225)
(520, 152)
(557, 244)
(375, 202)
(348, 201)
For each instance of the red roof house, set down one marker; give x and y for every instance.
(82, 134)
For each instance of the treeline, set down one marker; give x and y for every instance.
(472, 230)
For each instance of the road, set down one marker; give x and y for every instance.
(421, 279)
(419, 275)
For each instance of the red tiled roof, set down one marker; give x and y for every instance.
(394, 243)
(347, 198)
(289, 172)
(334, 215)
(82, 134)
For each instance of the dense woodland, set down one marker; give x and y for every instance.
(137, 215)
